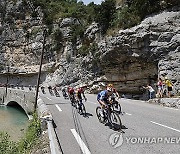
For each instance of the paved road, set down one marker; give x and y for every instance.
(149, 129)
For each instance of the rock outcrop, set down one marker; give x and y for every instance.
(139, 55)
(129, 59)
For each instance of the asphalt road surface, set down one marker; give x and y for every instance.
(147, 128)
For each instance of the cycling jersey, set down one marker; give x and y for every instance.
(114, 90)
(79, 92)
(168, 83)
(71, 90)
(79, 96)
(103, 96)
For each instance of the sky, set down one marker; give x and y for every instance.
(88, 1)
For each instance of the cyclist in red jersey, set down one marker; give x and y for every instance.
(80, 92)
(71, 93)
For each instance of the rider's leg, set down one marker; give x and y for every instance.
(109, 118)
(80, 100)
(102, 108)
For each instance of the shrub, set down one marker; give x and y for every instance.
(83, 50)
(26, 143)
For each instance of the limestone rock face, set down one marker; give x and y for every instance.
(18, 45)
(93, 32)
(68, 22)
(129, 59)
(139, 55)
(21, 37)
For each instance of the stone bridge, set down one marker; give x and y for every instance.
(23, 98)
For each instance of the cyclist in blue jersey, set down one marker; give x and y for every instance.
(103, 97)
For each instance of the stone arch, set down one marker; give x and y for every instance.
(17, 105)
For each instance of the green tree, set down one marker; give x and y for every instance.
(105, 14)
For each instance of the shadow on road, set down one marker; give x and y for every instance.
(87, 115)
(114, 128)
(123, 127)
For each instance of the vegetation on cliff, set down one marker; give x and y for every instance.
(107, 14)
(110, 15)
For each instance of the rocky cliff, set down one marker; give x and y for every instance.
(133, 57)
(129, 59)
(139, 55)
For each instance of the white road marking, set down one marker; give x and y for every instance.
(82, 145)
(48, 98)
(171, 108)
(58, 108)
(128, 113)
(166, 126)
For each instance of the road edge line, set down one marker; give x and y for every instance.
(82, 145)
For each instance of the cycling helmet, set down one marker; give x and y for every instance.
(110, 85)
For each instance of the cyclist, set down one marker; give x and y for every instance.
(113, 96)
(80, 92)
(103, 99)
(64, 92)
(114, 90)
(42, 89)
(55, 91)
(71, 94)
(50, 89)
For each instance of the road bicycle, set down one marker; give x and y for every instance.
(72, 99)
(108, 115)
(115, 105)
(65, 95)
(80, 107)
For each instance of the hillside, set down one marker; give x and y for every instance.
(85, 47)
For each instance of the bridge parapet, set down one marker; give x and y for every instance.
(25, 99)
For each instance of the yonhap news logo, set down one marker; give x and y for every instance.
(117, 139)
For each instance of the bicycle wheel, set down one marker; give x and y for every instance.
(117, 107)
(98, 113)
(83, 109)
(115, 120)
(72, 101)
(78, 107)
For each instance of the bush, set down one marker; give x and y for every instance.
(77, 32)
(83, 50)
(7, 146)
(106, 14)
(25, 144)
(58, 36)
(125, 18)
